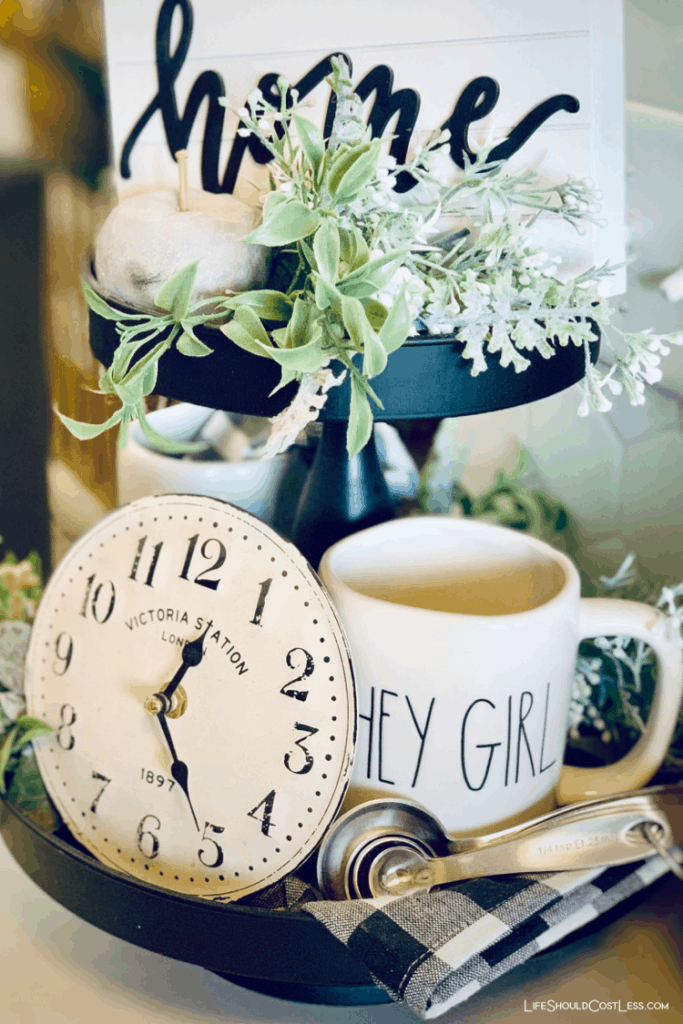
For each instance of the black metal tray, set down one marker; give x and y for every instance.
(283, 953)
(286, 954)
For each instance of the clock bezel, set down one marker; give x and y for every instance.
(312, 832)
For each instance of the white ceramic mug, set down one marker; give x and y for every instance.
(464, 638)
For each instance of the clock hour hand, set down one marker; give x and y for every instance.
(179, 770)
(192, 655)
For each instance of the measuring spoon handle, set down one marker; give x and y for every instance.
(596, 835)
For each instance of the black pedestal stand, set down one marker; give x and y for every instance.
(341, 495)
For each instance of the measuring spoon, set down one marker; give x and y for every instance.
(395, 847)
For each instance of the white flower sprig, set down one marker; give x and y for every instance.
(612, 687)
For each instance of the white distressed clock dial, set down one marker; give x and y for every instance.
(239, 788)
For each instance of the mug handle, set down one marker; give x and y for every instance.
(612, 617)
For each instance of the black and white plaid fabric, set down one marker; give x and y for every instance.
(436, 950)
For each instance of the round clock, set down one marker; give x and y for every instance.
(201, 694)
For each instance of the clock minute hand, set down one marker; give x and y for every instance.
(192, 655)
(179, 769)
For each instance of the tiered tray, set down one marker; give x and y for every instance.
(426, 378)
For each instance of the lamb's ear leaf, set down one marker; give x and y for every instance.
(396, 327)
(86, 431)
(106, 383)
(289, 222)
(190, 345)
(6, 745)
(273, 199)
(165, 444)
(362, 252)
(266, 303)
(287, 377)
(360, 419)
(312, 141)
(244, 338)
(363, 337)
(326, 246)
(305, 358)
(372, 272)
(326, 294)
(28, 722)
(348, 157)
(296, 331)
(149, 381)
(33, 728)
(102, 307)
(174, 296)
(132, 387)
(376, 312)
(355, 176)
(251, 322)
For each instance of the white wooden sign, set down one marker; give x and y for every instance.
(542, 77)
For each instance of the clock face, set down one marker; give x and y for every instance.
(229, 783)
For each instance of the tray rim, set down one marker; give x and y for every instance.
(357, 989)
(352, 975)
(427, 377)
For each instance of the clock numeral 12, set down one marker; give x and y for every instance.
(218, 856)
(308, 757)
(136, 562)
(209, 584)
(96, 604)
(265, 818)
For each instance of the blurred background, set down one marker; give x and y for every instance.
(620, 475)
(54, 155)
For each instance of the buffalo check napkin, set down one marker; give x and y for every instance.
(435, 950)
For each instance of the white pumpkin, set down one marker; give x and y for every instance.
(147, 239)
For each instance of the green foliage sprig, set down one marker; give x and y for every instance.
(22, 732)
(132, 381)
(616, 676)
(20, 592)
(20, 586)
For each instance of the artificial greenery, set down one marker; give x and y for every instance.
(509, 501)
(20, 592)
(26, 789)
(616, 676)
(22, 731)
(20, 586)
(132, 382)
(358, 267)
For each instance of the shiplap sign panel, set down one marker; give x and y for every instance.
(493, 69)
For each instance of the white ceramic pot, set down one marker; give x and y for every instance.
(142, 470)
